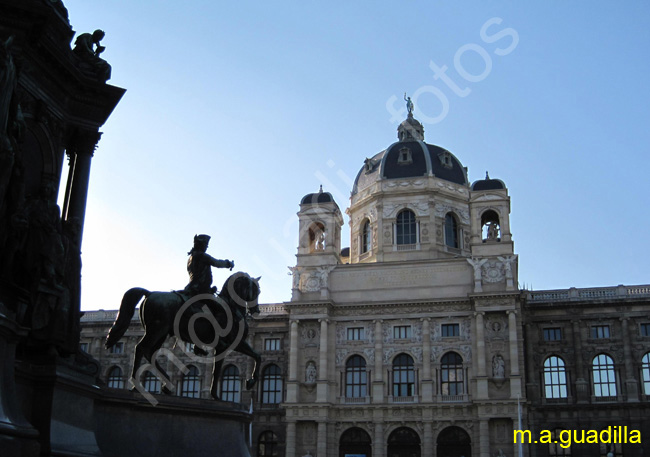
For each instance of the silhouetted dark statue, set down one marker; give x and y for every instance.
(199, 267)
(88, 49)
(218, 323)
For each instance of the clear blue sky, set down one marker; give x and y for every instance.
(235, 110)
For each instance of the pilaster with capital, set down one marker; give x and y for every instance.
(292, 382)
(582, 385)
(427, 382)
(321, 447)
(378, 384)
(515, 378)
(630, 381)
(321, 388)
(378, 446)
(291, 439)
(481, 378)
(484, 438)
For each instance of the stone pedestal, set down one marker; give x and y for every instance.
(17, 437)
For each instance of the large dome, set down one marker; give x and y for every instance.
(411, 159)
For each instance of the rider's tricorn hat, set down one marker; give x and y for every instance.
(203, 239)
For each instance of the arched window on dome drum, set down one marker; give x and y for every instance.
(555, 382)
(356, 377)
(230, 384)
(191, 385)
(451, 373)
(490, 227)
(604, 376)
(645, 373)
(267, 445)
(403, 376)
(406, 228)
(452, 237)
(115, 380)
(365, 237)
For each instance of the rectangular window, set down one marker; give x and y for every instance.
(83, 347)
(401, 332)
(272, 344)
(600, 331)
(449, 330)
(117, 349)
(645, 329)
(356, 333)
(552, 334)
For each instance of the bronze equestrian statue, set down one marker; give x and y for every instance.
(194, 315)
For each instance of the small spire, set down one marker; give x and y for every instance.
(321, 189)
(487, 176)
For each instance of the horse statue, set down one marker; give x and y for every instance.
(210, 322)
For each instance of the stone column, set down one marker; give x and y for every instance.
(378, 378)
(427, 382)
(321, 388)
(81, 153)
(321, 447)
(515, 376)
(378, 444)
(291, 439)
(532, 386)
(630, 380)
(484, 438)
(292, 382)
(427, 441)
(481, 378)
(582, 385)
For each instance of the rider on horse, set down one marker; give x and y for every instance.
(199, 267)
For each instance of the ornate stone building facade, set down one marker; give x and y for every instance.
(416, 340)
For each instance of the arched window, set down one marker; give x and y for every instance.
(230, 384)
(452, 238)
(355, 441)
(555, 448)
(451, 371)
(490, 227)
(317, 237)
(645, 373)
(404, 441)
(555, 384)
(403, 376)
(365, 237)
(191, 385)
(151, 383)
(454, 441)
(271, 385)
(356, 377)
(267, 445)
(406, 228)
(115, 380)
(604, 376)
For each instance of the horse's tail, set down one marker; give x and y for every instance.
(127, 308)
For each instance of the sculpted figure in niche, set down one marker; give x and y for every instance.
(498, 367)
(310, 373)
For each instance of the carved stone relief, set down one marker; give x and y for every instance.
(493, 271)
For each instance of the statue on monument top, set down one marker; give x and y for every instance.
(88, 49)
(199, 267)
(409, 104)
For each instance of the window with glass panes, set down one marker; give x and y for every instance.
(151, 383)
(230, 384)
(365, 237)
(401, 332)
(115, 380)
(645, 373)
(403, 376)
(355, 333)
(267, 445)
(271, 385)
(356, 378)
(600, 331)
(451, 370)
(191, 385)
(406, 228)
(555, 383)
(552, 334)
(272, 344)
(604, 376)
(118, 348)
(645, 329)
(449, 330)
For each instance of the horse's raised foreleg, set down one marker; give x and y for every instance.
(244, 348)
(216, 371)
